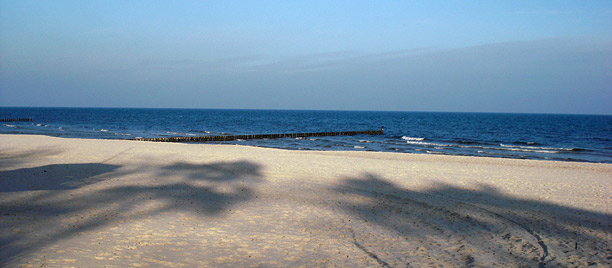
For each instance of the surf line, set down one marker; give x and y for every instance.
(261, 136)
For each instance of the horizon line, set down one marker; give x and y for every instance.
(304, 110)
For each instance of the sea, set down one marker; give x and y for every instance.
(557, 137)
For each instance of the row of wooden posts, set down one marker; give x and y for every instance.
(262, 136)
(240, 137)
(15, 119)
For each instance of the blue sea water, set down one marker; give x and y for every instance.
(586, 138)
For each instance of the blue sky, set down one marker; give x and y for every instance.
(466, 56)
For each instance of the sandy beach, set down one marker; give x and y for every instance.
(111, 203)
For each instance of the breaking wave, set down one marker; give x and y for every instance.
(412, 138)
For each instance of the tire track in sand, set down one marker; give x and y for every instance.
(472, 227)
(538, 238)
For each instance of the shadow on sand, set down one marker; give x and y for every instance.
(9, 160)
(55, 202)
(53, 177)
(483, 228)
(443, 226)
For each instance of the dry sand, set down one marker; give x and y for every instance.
(105, 203)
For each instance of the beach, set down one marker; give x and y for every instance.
(119, 203)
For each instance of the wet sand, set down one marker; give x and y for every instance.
(97, 203)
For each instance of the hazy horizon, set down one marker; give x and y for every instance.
(297, 110)
(494, 57)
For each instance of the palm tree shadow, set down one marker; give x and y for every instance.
(203, 188)
(477, 227)
(215, 172)
(53, 177)
(15, 159)
(32, 216)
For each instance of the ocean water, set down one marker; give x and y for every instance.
(586, 138)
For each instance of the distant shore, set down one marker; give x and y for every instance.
(86, 202)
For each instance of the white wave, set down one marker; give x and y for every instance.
(104, 130)
(7, 125)
(517, 146)
(180, 133)
(428, 143)
(240, 140)
(533, 149)
(474, 147)
(480, 149)
(313, 139)
(365, 141)
(503, 147)
(358, 147)
(546, 152)
(299, 138)
(418, 143)
(493, 153)
(412, 138)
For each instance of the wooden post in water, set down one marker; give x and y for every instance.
(15, 119)
(262, 136)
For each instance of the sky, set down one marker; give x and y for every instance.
(453, 56)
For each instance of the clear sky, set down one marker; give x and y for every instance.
(463, 56)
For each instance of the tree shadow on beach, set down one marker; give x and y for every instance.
(483, 227)
(76, 198)
(10, 160)
(53, 177)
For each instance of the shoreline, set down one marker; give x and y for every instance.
(341, 151)
(123, 203)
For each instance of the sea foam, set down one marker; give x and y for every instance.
(412, 138)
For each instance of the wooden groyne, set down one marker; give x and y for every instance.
(262, 136)
(15, 119)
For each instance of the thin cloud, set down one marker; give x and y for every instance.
(563, 12)
(211, 66)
